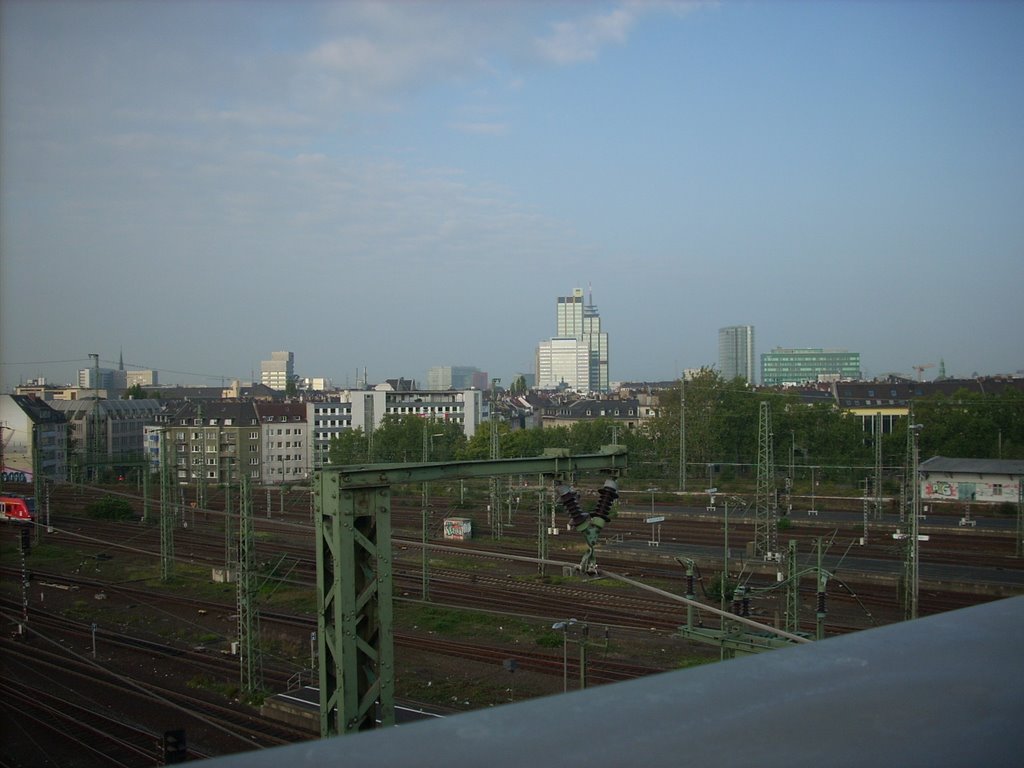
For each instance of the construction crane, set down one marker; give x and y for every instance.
(921, 369)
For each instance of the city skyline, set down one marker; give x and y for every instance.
(394, 186)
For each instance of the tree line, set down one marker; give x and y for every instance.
(721, 427)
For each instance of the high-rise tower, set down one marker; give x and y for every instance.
(736, 352)
(579, 321)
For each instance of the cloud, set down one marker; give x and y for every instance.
(583, 39)
(481, 128)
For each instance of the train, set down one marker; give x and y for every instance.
(17, 508)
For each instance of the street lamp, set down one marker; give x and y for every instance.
(563, 626)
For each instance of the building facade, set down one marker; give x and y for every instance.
(142, 378)
(736, 352)
(791, 367)
(563, 363)
(278, 370)
(103, 433)
(326, 419)
(35, 439)
(214, 443)
(441, 377)
(286, 442)
(108, 380)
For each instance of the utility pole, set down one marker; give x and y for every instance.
(915, 546)
(425, 589)
(542, 526)
(820, 611)
(229, 558)
(682, 431)
(37, 479)
(792, 590)
(908, 459)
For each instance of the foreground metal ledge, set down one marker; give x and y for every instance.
(940, 691)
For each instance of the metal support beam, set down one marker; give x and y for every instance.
(355, 632)
(354, 605)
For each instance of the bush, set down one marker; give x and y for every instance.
(110, 508)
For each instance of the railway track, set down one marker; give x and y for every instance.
(93, 737)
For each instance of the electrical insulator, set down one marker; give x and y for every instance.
(689, 584)
(606, 497)
(821, 602)
(570, 499)
(746, 606)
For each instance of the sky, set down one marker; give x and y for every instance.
(393, 186)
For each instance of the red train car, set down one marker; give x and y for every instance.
(20, 509)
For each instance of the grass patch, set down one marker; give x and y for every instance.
(462, 623)
(221, 687)
(461, 563)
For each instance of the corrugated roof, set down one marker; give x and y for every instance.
(973, 466)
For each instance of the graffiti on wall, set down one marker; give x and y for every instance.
(458, 528)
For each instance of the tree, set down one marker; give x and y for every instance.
(349, 447)
(134, 392)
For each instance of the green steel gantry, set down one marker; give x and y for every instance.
(354, 573)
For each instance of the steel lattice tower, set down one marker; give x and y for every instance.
(495, 504)
(250, 658)
(878, 465)
(766, 528)
(166, 510)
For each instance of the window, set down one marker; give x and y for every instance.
(997, 489)
(254, 460)
(211, 462)
(254, 435)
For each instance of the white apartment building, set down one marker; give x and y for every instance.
(325, 420)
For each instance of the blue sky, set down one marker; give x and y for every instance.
(400, 185)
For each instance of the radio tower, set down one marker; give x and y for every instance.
(766, 520)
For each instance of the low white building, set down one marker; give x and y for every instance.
(465, 407)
